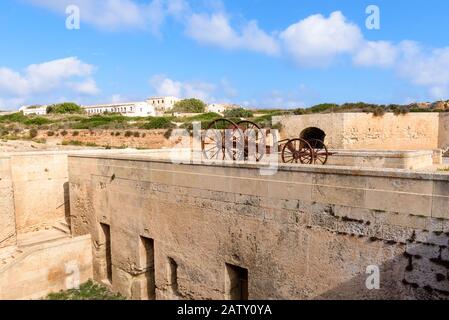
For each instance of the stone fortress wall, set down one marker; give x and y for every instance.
(412, 131)
(37, 251)
(150, 228)
(194, 231)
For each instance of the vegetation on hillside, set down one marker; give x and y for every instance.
(158, 123)
(238, 113)
(189, 106)
(87, 291)
(376, 109)
(65, 108)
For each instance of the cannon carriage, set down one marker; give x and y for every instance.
(225, 139)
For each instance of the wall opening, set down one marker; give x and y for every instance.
(173, 274)
(107, 251)
(313, 135)
(236, 282)
(147, 263)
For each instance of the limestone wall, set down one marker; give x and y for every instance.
(385, 159)
(444, 131)
(34, 190)
(332, 124)
(49, 267)
(305, 232)
(40, 184)
(413, 131)
(7, 219)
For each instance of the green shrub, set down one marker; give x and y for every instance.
(168, 133)
(401, 110)
(263, 121)
(40, 140)
(300, 111)
(38, 121)
(189, 106)
(13, 117)
(50, 133)
(128, 134)
(33, 133)
(102, 121)
(64, 108)
(238, 113)
(378, 112)
(117, 134)
(87, 291)
(75, 133)
(64, 133)
(210, 116)
(91, 144)
(136, 134)
(158, 123)
(72, 143)
(323, 107)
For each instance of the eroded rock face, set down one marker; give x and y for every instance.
(189, 231)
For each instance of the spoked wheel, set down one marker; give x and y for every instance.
(297, 151)
(223, 140)
(320, 152)
(253, 136)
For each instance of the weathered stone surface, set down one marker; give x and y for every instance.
(294, 244)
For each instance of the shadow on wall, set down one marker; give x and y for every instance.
(422, 272)
(66, 202)
(313, 133)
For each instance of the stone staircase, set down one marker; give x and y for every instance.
(25, 242)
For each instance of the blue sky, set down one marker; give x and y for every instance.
(263, 53)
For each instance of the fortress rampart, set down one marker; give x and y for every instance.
(183, 231)
(412, 131)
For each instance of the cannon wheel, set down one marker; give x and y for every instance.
(297, 151)
(320, 151)
(217, 145)
(258, 139)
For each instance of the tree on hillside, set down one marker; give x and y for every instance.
(190, 106)
(238, 113)
(66, 107)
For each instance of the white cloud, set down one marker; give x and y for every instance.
(216, 30)
(87, 87)
(165, 86)
(317, 40)
(425, 68)
(9, 104)
(117, 98)
(376, 53)
(69, 73)
(112, 14)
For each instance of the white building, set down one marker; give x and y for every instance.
(162, 104)
(130, 109)
(220, 107)
(37, 110)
